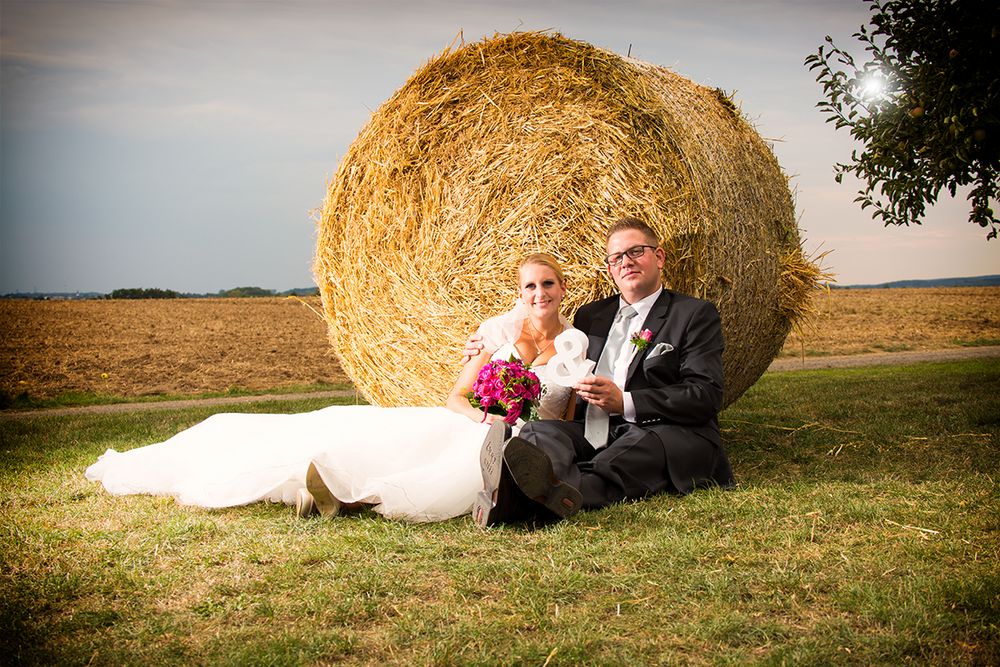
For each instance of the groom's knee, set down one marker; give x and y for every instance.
(561, 440)
(535, 431)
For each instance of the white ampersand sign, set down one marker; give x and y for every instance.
(569, 364)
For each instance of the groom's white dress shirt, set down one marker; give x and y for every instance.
(642, 308)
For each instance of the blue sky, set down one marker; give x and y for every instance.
(184, 144)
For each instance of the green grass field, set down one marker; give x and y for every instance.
(864, 530)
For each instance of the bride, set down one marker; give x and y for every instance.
(410, 463)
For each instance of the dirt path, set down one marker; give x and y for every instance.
(883, 358)
(777, 366)
(172, 405)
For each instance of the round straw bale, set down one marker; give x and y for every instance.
(529, 142)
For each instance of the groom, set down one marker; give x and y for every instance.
(647, 422)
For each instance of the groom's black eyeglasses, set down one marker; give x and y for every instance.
(635, 252)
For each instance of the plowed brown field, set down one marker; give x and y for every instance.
(143, 347)
(187, 346)
(856, 321)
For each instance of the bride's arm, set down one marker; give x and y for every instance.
(457, 400)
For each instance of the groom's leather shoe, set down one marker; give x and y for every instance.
(484, 508)
(508, 504)
(531, 470)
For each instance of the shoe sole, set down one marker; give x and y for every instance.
(490, 462)
(532, 471)
(326, 503)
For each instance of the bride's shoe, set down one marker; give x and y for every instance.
(324, 501)
(304, 504)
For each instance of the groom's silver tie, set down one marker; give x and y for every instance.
(596, 424)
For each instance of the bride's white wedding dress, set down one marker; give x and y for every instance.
(414, 464)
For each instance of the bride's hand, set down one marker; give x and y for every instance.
(476, 415)
(473, 347)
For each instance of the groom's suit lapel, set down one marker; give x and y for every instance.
(654, 322)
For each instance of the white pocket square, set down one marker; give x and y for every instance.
(660, 348)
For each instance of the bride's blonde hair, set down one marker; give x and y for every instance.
(543, 259)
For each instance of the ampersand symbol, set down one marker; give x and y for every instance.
(569, 364)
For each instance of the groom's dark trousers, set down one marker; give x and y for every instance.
(674, 444)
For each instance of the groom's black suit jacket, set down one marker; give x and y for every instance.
(677, 394)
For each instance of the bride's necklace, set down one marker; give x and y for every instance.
(534, 341)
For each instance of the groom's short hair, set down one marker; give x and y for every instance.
(630, 222)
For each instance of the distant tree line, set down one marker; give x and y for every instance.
(240, 292)
(144, 293)
(234, 293)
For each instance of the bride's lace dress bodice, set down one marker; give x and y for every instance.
(552, 404)
(499, 334)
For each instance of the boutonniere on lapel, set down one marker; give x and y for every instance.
(642, 339)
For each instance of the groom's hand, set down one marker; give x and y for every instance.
(473, 347)
(602, 392)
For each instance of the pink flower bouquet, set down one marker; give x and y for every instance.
(506, 388)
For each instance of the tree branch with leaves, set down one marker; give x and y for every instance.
(924, 105)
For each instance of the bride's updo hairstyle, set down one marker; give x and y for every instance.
(512, 143)
(542, 259)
